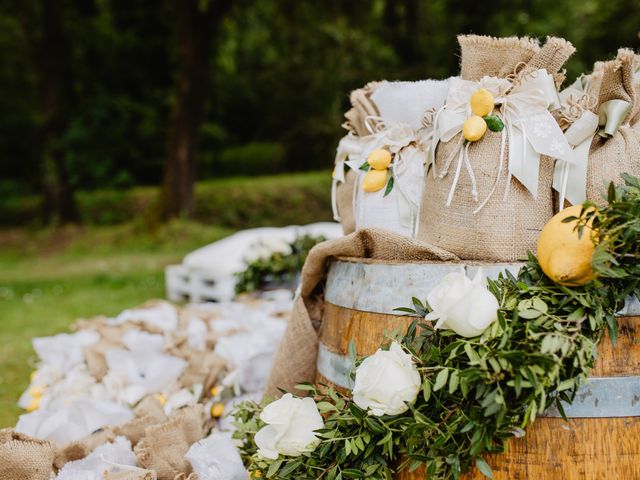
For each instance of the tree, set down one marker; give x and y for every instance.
(50, 60)
(197, 22)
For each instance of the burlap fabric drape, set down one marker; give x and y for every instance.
(609, 157)
(508, 226)
(295, 360)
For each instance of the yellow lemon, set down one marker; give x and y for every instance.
(215, 391)
(482, 102)
(563, 256)
(217, 409)
(474, 128)
(34, 405)
(36, 392)
(379, 159)
(374, 180)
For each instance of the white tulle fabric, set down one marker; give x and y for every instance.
(132, 375)
(225, 464)
(74, 421)
(110, 457)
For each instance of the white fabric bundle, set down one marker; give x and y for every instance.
(132, 375)
(74, 421)
(163, 317)
(400, 129)
(64, 351)
(216, 458)
(110, 457)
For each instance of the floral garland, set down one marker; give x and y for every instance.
(444, 395)
(275, 263)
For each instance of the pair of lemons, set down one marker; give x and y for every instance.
(482, 104)
(376, 178)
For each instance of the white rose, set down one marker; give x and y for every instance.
(463, 305)
(291, 423)
(386, 382)
(277, 245)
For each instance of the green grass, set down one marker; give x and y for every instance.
(50, 278)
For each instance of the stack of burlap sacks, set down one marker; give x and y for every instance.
(159, 442)
(506, 228)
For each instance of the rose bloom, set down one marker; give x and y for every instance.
(386, 382)
(291, 423)
(463, 305)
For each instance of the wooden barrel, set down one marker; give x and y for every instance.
(601, 440)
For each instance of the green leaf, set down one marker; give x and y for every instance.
(325, 407)
(426, 390)
(441, 379)
(274, 467)
(352, 473)
(484, 467)
(389, 186)
(454, 381)
(494, 123)
(529, 314)
(365, 167)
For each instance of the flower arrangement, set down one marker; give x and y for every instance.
(275, 262)
(441, 396)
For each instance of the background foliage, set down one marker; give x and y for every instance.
(279, 80)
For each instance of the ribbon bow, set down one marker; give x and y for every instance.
(570, 175)
(525, 110)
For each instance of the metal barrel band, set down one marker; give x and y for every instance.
(381, 288)
(600, 397)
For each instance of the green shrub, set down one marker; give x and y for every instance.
(240, 202)
(258, 158)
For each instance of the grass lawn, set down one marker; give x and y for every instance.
(50, 278)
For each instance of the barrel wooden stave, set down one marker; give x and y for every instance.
(582, 448)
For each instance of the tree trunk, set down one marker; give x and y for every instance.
(197, 22)
(50, 60)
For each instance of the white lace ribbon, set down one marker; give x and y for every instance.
(570, 177)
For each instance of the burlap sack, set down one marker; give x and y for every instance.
(78, 449)
(494, 57)
(609, 157)
(95, 358)
(137, 474)
(344, 201)
(507, 226)
(150, 407)
(23, 457)
(163, 447)
(361, 107)
(135, 429)
(205, 368)
(295, 360)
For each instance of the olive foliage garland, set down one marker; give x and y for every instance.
(478, 392)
